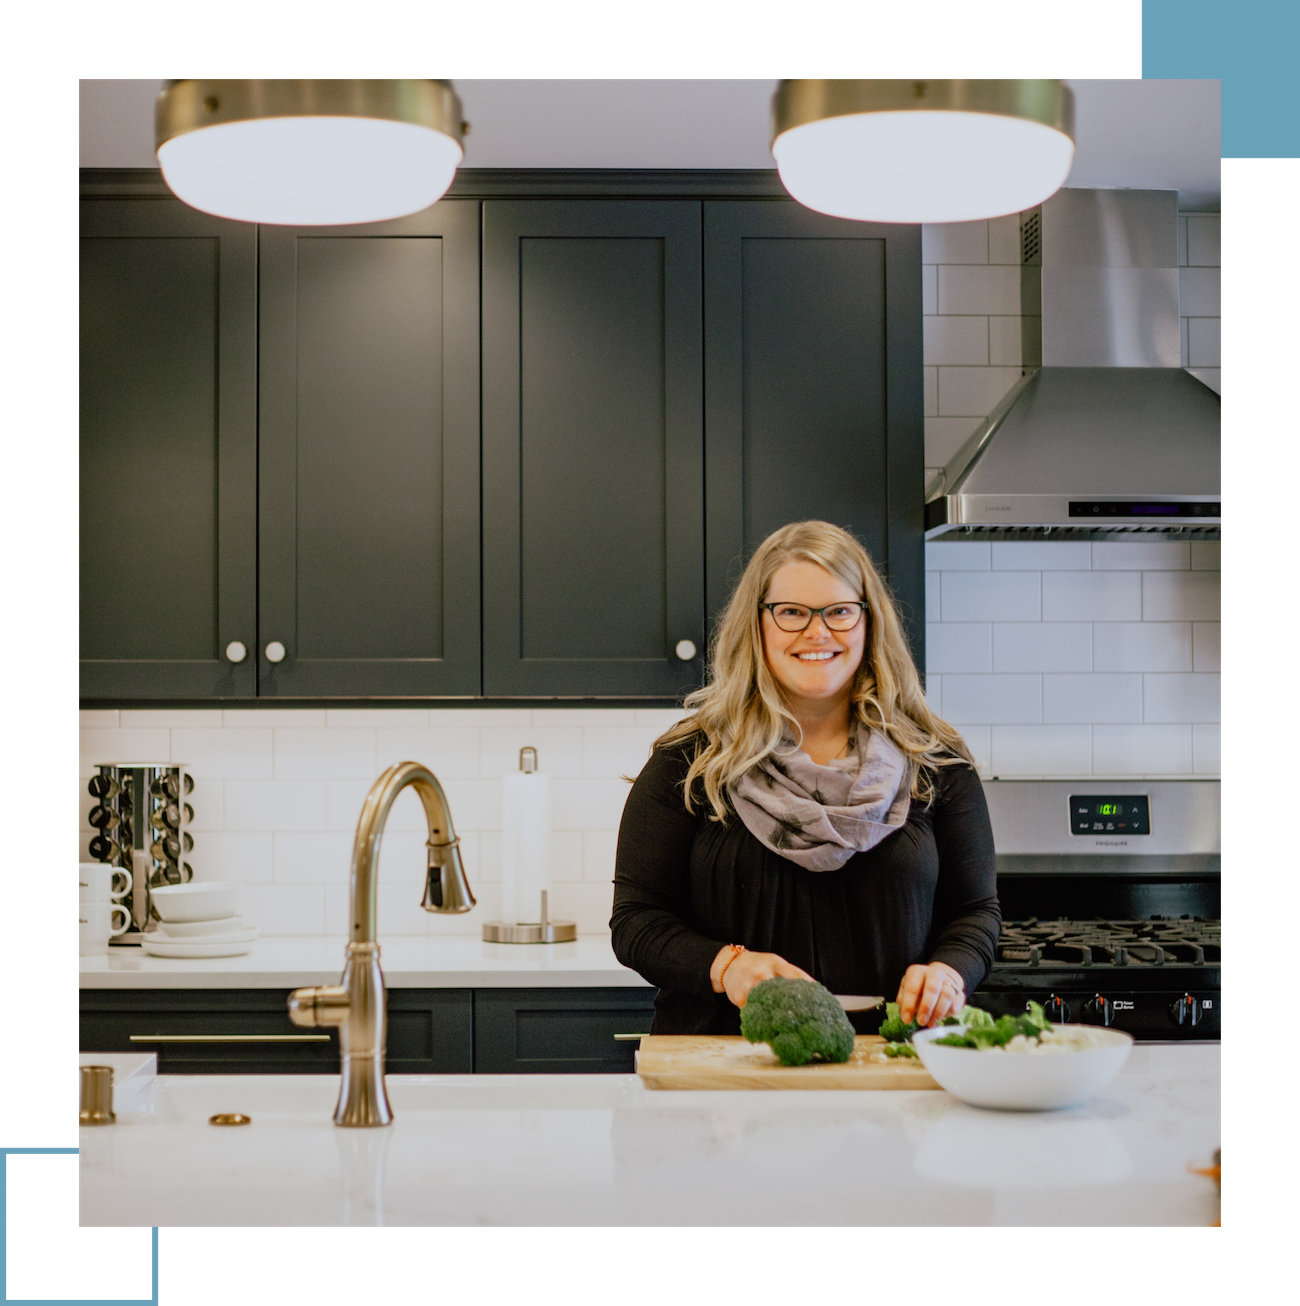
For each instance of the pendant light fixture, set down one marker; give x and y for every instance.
(922, 151)
(309, 153)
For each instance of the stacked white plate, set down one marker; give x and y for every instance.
(199, 920)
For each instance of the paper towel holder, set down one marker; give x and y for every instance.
(543, 930)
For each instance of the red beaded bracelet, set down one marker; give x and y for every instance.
(736, 950)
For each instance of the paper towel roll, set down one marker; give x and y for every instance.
(526, 845)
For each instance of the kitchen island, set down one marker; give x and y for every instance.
(604, 1150)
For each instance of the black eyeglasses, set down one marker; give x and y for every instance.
(792, 617)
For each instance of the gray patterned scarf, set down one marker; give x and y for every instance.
(819, 816)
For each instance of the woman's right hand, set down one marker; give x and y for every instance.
(748, 969)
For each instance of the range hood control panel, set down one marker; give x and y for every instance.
(1110, 814)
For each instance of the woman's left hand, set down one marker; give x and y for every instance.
(929, 993)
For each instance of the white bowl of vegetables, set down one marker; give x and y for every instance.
(1021, 1063)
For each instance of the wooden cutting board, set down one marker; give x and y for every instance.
(714, 1061)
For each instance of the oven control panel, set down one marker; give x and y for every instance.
(1110, 814)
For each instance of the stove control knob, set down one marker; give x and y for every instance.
(1057, 1010)
(1186, 1011)
(1097, 1011)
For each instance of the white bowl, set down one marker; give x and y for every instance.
(1015, 1081)
(199, 929)
(204, 900)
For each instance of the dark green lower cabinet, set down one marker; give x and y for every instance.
(549, 1031)
(430, 1031)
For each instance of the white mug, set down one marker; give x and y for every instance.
(102, 883)
(98, 925)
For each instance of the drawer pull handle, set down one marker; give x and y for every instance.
(229, 1038)
(628, 1038)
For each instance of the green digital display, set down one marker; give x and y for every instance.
(1109, 809)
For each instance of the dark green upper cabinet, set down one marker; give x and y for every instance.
(593, 471)
(369, 457)
(168, 448)
(814, 403)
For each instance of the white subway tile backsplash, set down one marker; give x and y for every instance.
(955, 242)
(1142, 646)
(476, 804)
(659, 718)
(274, 805)
(930, 390)
(99, 718)
(589, 716)
(973, 391)
(1139, 556)
(1190, 697)
(588, 804)
(1006, 347)
(1205, 749)
(566, 856)
(956, 341)
(1078, 699)
(1205, 646)
(599, 853)
(611, 752)
(1092, 596)
(225, 855)
(315, 857)
(208, 802)
(991, 595)
(932, 579)
(944, 437)
(980, 290)
(1198, 292)
(963, 646)
(233, 754)
(589, 905)
(1142, 750)
(559, 749)
(1203, 239)
(123, 746)
(1038, 751)
(375, 718)
(169, 718)
(301, 718)
(956, 557)
(287, 908)
(1044, 555)
(448, 718)
(1203, 342)
(932, 689)
(325, 754)
(993, 699)
(1042, 646)
(1004, 239)
(1180, 596)
(1205, 555)
(929, 290)
(446, 750)
(1183, 350)
(979, 741)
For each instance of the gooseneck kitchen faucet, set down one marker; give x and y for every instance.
(357, 1006)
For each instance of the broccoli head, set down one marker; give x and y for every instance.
(799, 1019)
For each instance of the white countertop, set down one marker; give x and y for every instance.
(408, 963)
(603, 1150)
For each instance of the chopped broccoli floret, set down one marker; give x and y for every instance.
(982, 1031)
(799, 1019)
(899, 1050)
(894, 1029)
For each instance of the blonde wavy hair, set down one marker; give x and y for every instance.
(740, 716)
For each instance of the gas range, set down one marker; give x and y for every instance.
(1124, 936)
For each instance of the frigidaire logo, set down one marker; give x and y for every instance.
(1110, 843)
(999, 507)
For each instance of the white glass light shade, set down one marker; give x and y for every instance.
(922, 165)
(310, 171)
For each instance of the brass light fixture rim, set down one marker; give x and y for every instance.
(799, 101)
(190, 104)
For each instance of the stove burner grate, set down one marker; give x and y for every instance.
(1160, 941)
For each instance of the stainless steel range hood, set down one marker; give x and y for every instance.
(1109, 438)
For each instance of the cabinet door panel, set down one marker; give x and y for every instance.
(814, 400)
(592, 447)
(369, 457)
(168, 441)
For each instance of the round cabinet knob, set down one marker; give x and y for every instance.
(235, 651)
(685, 649)
(275, 651)
(1097, 1011)
(1186, 1011)
(1057, 1010)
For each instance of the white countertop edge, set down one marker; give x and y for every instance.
(412, 963)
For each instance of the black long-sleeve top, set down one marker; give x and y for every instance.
(685, 885)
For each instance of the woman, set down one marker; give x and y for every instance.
(812, 818)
